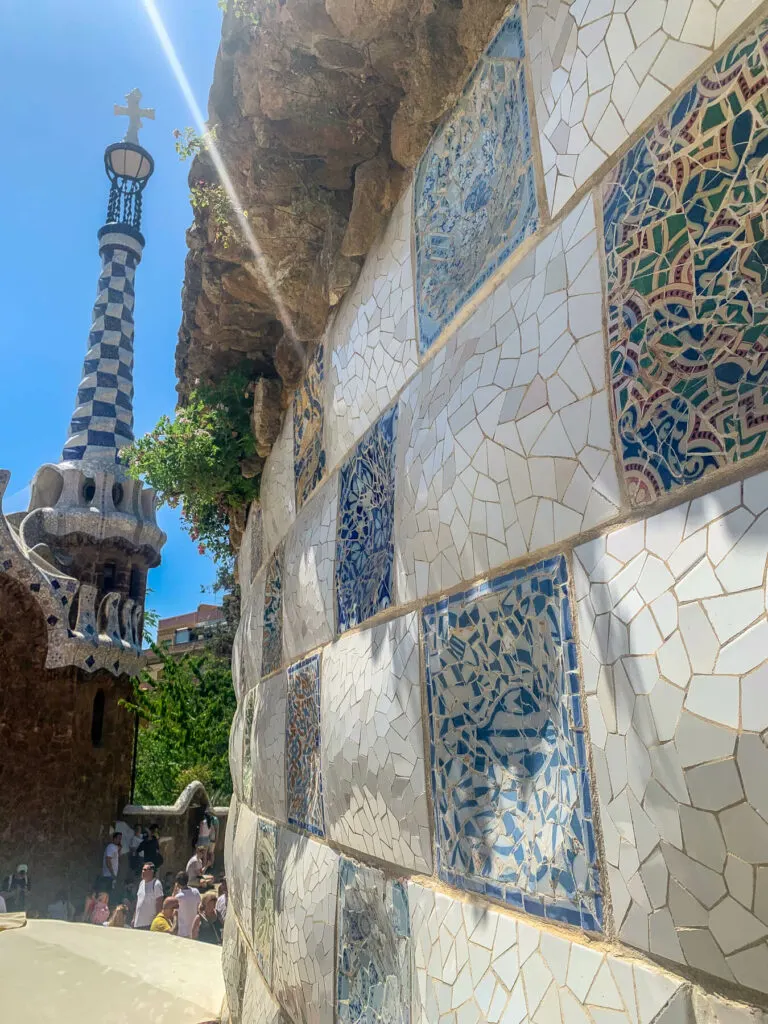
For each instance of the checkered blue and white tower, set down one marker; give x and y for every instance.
(87, 517)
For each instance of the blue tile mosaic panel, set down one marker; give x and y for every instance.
(364, 539)
(302, 747)
(272, 646)
(308, 450)
(475, 192)
(687, 275)
(264, 898)
(513, 809)
(374, 956)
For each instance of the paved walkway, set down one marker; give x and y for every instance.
(52, 972)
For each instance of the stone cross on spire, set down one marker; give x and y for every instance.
(134, 112)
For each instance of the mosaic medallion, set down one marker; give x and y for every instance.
(305, 782)
(264, 898)
(374, 956)
(364, 543)
(308, 450)
(272, 647)
(475, 194)
(687, 270)
(513, 813)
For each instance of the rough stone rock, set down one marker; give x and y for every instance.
(318, 107)
(265, 415)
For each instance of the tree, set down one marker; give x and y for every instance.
(185, 717)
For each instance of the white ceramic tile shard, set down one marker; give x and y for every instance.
(278, 489)
(249, 557)
(236, 751)
(308, 574)
(373, 338)
(249, 639)
(673, 629)
(601, 67)
(373, 745)
(268, 747)
(259, 1006)
(473, 965)
(243, 863)
(305, 920)
(504, 439)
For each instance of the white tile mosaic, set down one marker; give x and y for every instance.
(249, 640)
(475, 966)
(373, 338)
(243, 863)
(601, 67)
(305, 906)
(673, 627)
(278, 489)
(259, 1006)
(308, 574)
(236, 751)
(268, 747)
(504, 444)
(234, 967)
(249, 557)
(373, 745)
(229, 834)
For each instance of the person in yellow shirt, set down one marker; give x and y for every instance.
(166, 920)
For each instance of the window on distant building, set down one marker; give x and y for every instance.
(182, 636)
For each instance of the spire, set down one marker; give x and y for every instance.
(102, 422)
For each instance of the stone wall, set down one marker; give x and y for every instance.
(59, 792)
(499, 753)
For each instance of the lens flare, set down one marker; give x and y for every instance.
(264, 270)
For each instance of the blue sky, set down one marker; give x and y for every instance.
(63, 64)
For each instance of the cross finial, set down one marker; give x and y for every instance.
(134, 112)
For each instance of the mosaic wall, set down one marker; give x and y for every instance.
(514, 771)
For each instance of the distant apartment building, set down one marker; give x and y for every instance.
(185, 634)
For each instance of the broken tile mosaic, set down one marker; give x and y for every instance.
(247, 752)
(364, 544)
(272, 645)
(308, 450)
(373, 963)
(475, 191)
(687, 272)
(278, 488)
(304, 774)
(674, 636)
(264, 898)
(513, 811)
(268, 746)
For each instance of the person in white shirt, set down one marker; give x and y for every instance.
(195, 867)
(189, 902)
(110, 864)
(149, 898)
(221, 902)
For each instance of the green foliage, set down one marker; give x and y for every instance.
(215, 201)
(186, 716)
(189, 142)
(194, 460)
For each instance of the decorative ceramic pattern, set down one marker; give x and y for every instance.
(473, 965)
(102, 422)
(505, 438)
(247, 751)
(373, 747)
(686, 328)
(272, 645)
(259, 1007)
(364, 545)
(600, 67)
(305, 906)
(264, 898)
(246, 656)
(229, 832)
(674, 634)
(308, 450)
(305, 778)
(475, 191)
(513, 812)
(250, 556)
(374, 337)
(373, 964)
(234, 964)
(236, 752)
(278, 488)
(308, 575)
(243, 862)
(268, 746)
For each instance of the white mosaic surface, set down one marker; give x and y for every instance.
(473, 965)
(674, 634)
(246, 656)
(518, 395)
(243, 862)
(305, 909)
(373, 744)
(268, 747)
(249, 556)
(259, 1007)
(278, 489)
(308, 574)
(601, 67)
(236, 751)
(373, 338)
